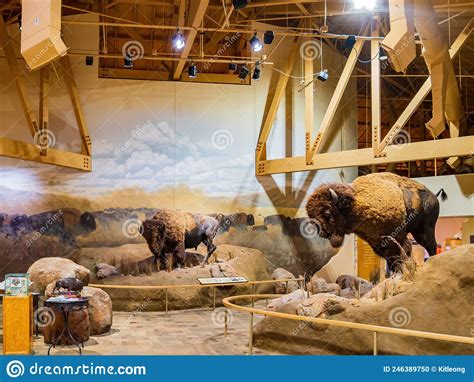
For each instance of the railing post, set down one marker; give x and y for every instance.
(286, 287)
(375, 343)
(166, 300)
(253, 292)
(251, 334)
(225, 322)
(214, 298)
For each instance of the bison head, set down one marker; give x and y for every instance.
(153, 231)
(330, 208)
(88, 222)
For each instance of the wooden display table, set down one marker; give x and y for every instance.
(17, 324)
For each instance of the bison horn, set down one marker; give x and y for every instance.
(333, 195)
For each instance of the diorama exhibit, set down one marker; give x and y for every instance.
(237, 177)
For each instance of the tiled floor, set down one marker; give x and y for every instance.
(190, 332)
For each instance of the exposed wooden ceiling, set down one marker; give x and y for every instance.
(213, 39)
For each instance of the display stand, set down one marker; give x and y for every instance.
(17, 325)
(66, 308)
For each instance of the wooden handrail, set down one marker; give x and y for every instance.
(190, 285)
(353, 325)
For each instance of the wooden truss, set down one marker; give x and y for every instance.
(39, 151)
(382, 151)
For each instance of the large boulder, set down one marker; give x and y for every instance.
(317, 285)
(322, 304)
(49, 269)
(439, 300)
(100, 308)
(296, 296)
(231, 260)
(282, 287)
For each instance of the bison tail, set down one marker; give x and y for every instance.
(443, 194)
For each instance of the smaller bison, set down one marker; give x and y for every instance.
(170, 232)
(375, 207)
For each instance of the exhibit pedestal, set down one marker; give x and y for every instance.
(17, 325)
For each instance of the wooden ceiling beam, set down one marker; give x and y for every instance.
(198, 9)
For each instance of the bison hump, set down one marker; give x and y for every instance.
(379, 200)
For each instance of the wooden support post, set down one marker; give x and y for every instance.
(375, 89)
(198, 9)
(308, 106)
(213, 298)
(43, 110)
(251, 334)
(375, 343)
(225, 322)
(20, 81)
(275, 95)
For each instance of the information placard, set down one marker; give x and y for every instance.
(222, 280)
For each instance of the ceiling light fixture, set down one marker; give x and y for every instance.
(178, 40)
(255, 43)
(367, 4)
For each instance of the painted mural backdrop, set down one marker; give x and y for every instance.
(48, 211)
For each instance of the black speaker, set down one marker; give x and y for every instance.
(239, 4)
(89, 60)
(268, 37)
(349, 43)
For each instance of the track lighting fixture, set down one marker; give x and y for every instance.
(257, 71)
(232, 67)
(255, 43)
(244, 72)
(128, 61)
(19, 21)
(382, 54)
(178, 40)
(192, 70)
(323, 75)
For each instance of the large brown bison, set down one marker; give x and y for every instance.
(374, 207)
(170, 232)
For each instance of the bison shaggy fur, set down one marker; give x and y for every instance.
(374, 207)
(170, 232)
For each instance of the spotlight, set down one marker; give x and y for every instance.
(128, 61)
(192, 70)
(89, 60)
(178, 40)
(257, 72)
(232, 67)
(255, 43)
(367, 4)
(268, 37)
(239, 4)
(19, 21)
(244, 72)
(349, 43)
(323, 75)
(382, 54)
